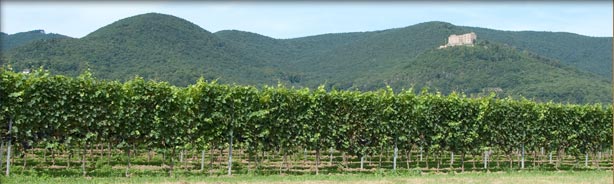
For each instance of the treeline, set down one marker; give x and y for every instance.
(45, 111)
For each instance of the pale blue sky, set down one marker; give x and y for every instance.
(297, 19)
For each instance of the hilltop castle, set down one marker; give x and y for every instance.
(464, 39)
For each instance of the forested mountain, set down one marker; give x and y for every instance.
(19, 39)
(168, 48)
(588, 53)
(153, 46)
(490, 67)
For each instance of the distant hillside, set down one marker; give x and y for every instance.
(341, 57)
(373, 53)
(168, 48)
(154, 46)
(19, 39)
(593, 54)
(490, 67)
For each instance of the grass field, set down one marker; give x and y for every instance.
(532, 177)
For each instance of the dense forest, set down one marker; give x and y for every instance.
(544, 66)
(587, 53)
(18, 39)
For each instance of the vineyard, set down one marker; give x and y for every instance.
(209, 127)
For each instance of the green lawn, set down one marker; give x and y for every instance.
(532, 177)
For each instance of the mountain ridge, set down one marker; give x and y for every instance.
(10, 41)
(571, 48)
(165, 47)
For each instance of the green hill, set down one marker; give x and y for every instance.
(593, 54)
(168, 48)
(154, 46)
(372, 53)
(490, 67)
(19, 39)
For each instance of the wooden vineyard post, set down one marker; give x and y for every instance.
(1, 152)
(522, 159)
(586, 159)
(330, 161)
(362, 161)
(394, 162)
(202, 160)
(230, 155)
(486, 159)
(8, 150)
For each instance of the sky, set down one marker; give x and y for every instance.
(298, 19)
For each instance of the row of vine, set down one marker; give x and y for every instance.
(43, 110)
